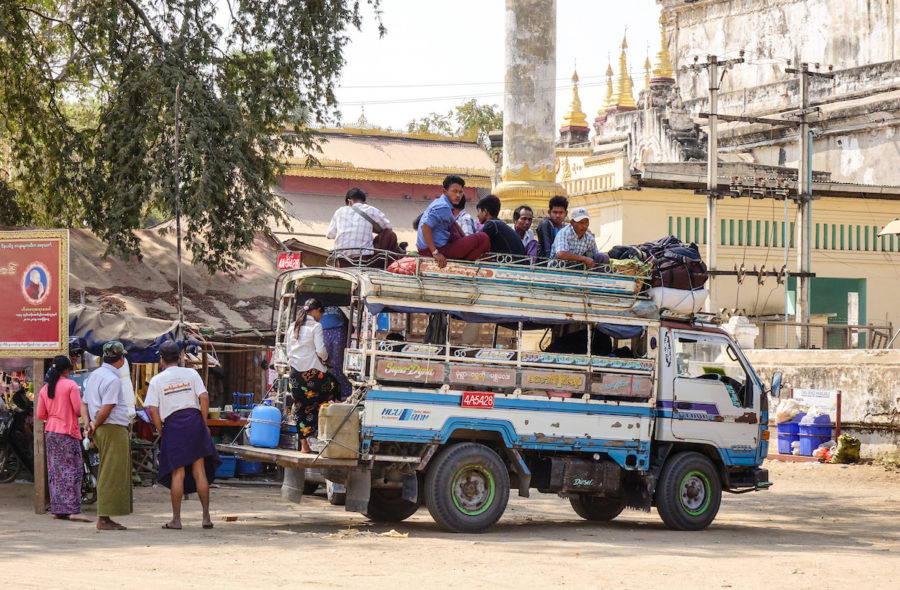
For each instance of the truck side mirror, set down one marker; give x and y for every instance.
(776, 384)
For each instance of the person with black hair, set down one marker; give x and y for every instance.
(178, 404)
(59, 405)
(311, 384)
(108, 412)
(351, 229)
(557, 209)
(504, 239)
(523, 217)
(437, 226)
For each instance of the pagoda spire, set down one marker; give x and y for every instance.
(647, 73)
(575, 117)
(574, 128)
(624, 98)
(663, 70)
(608, 103)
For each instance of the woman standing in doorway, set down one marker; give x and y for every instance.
(311, 385)
(59, 403)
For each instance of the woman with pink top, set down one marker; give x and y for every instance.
(59, 404)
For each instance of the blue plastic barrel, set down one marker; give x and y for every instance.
(788, 432)
(812, 435)
(248, 467)
(265, 426)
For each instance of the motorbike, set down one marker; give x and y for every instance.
(16, 443)
(90, 456)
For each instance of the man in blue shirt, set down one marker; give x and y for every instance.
(434, 233)
(575, 246)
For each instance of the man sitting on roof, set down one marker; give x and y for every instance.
(575, 245)
(504, 239)
(351, 229)
(434, 234)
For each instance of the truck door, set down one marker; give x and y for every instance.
(715, 397)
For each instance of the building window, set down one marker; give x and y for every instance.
(740, 232)
(697, 237)
(842, 236)
(731, 232)
(833, 236)
(792, 234)
(704, 230)
(722, 233)
(817, 236)
(758, 224)
(874, 238)
(859, 245)
(678, 227)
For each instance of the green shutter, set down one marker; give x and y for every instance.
(670, 225)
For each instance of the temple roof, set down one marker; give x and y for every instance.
(395, 157)
(575, 117)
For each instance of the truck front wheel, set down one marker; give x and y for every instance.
(597, 508)
(689, 492)
(467, 488)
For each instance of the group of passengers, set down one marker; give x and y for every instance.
(447, 231)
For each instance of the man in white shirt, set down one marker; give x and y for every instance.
(351, 229)
(108, 410)
(178, 404)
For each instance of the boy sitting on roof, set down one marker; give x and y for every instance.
(434, 234)
(504, 239)
(575, 245)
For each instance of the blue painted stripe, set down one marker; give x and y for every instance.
(711, 409)
(618, 450)
(503, 403)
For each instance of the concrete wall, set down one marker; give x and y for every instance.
(842, 33)
(868, 379)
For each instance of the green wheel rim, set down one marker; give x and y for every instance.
(473, 490)
(694, 493)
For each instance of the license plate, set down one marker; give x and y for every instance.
(478, 399)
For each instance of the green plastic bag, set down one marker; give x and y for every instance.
(847, 450)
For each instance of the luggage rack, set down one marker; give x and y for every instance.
(506, 269)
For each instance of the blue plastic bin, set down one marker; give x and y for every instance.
(226, 469)
(812, 435)
(789, 432)
(248, 467)
(265, 426)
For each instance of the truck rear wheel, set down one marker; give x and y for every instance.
(689, 492)
(597, 508)
(467, 488)
(388, 505)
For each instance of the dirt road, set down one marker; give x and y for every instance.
(820, 527)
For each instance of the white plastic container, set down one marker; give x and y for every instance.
(679, 300)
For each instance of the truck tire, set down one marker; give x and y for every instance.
(10, 466)
(387, 505)
(597, 508)
(689, 492)
(467, 488)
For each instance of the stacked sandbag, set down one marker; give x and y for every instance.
(678, 273)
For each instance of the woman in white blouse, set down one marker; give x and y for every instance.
(311, 385)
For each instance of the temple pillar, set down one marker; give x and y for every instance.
(528, 176)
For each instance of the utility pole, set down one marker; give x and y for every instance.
(712, 167)
(804, 197)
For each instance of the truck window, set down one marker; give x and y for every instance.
(709, 358)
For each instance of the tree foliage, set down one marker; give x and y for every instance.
(87, 110)
(467, 119)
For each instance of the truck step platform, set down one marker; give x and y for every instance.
(283, 457)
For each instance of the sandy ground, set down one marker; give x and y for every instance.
(819, 527)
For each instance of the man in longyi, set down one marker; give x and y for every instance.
(188, 460)
(107, 408)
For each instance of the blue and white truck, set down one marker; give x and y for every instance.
(476, 379)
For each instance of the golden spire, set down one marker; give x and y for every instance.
(608, 104)
(575, 117)
(624, 96)
(647, 73)
(663, 68)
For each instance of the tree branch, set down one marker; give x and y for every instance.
(146, 21)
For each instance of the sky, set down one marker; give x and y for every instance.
(437, 54)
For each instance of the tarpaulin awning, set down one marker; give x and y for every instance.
(141, 336)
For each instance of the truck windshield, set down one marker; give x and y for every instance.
(714, 359)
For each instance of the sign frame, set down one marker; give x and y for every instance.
(58, 286)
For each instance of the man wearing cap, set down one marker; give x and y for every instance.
(107, 408)
(575, 245)
(178, 404)
(351, 229)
